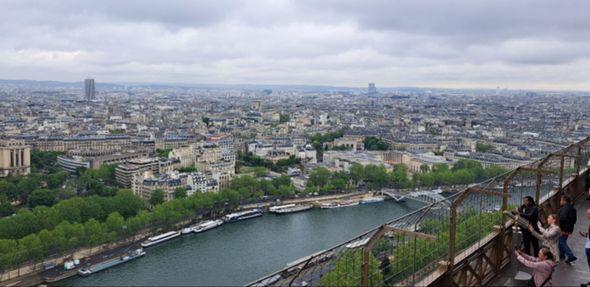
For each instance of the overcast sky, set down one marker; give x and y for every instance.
(464, 43)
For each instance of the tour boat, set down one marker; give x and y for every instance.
(242, 215)
(289, 208)
(160, 238)
(206, 225)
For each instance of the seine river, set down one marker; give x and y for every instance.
(240, 252)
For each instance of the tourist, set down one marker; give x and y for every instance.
(542, 266)
(529, 212)
(587, 235)
(549, 236)
(567, 220)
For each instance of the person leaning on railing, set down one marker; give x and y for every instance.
(549, 236)
(542, 266)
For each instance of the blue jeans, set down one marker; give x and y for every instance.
(564, 248)
(588, 256)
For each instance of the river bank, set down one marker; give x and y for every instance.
(237, 253)
(33, 274)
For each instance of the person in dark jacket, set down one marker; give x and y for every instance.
(567, 220)
(529, 212)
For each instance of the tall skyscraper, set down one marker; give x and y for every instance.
(372, 90)
(89, 89)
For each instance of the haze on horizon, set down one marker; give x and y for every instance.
(451, 44)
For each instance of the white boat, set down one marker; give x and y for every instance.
(347, 204)
(242, 215)
(372, 200)
(187, 230)
(330, 205)
(206, 225)
(160, 238)
(290, 208)
(279, 207)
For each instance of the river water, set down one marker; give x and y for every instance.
(240, 252)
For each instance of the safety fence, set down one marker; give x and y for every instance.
(460, 241)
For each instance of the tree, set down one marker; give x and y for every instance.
(157, 197)
(376, 176)
(399, 176)
(347, 270)
(319, 177)
(179, 192)
(374, 143)
(259, 171)
(281, 180)
(44, 160)
(115, 222)
(424, 168)
(284, 118)
(5, 208)
(205, 120)
(31, 246)
(357, 172)
(57, 179)
(94, 232)
(42, 197)
(9, 189)
(286, 190)
(187, 169)
(163, 152)
(483, 147)
(339, 184)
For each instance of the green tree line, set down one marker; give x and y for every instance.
(322, 181)
(31, 235)
(252, 160)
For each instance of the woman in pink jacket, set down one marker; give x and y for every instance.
(542, 266)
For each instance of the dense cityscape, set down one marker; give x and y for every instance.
(294, 143)
(161, 153)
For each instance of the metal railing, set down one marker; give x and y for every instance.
(462, 240)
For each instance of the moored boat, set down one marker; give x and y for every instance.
(331, 205)
(111, 262)
(290, 208)
(370, 200)
(206, 225)
(160, 238)
(247, 214)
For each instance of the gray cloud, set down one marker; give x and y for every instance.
(454, 43)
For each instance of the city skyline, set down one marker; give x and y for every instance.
(403, 44)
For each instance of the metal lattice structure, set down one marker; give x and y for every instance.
(463, 240)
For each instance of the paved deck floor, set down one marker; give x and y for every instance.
(572, 274)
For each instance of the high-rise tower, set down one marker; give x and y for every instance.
(89, 89)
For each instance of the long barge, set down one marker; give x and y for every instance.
(86, 271)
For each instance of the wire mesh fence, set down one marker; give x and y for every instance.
(419, 247)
